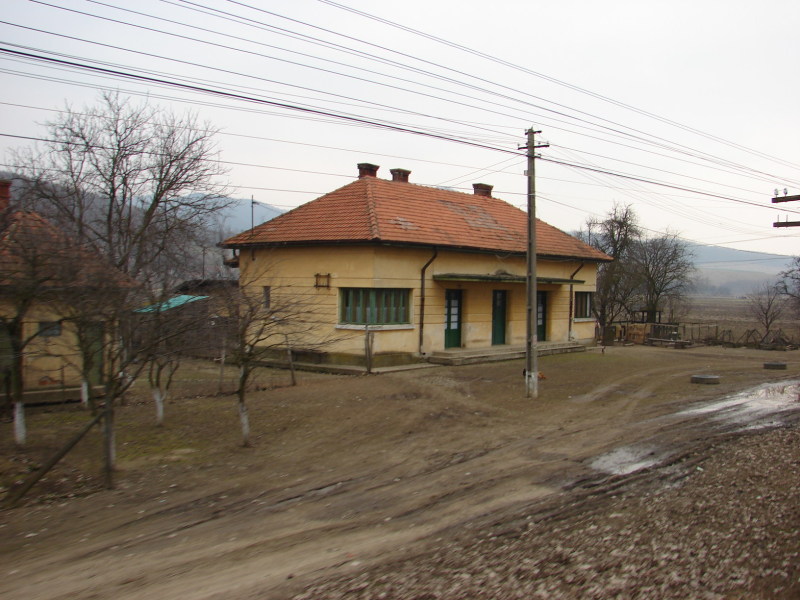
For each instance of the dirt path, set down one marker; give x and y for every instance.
(350, 473)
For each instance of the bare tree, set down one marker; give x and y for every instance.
(137, 186)
(662, 269)
(615, 235)
(264, 322)
(767, 303)
(165, 334)
(789, 282)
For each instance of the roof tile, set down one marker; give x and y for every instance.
(379, 210)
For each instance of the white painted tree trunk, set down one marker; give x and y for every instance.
(158, 398)
(20, 430)
(244, 418)
(85, 393)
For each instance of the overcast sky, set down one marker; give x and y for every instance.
(698, 95)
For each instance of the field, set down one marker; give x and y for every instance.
(378, 484)
(733, 314)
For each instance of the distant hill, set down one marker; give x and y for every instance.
(239, 216)
(728, 272)
(728, 259)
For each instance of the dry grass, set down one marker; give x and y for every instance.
(734, 314)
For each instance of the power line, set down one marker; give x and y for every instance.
(417, 113)
(653, 182)
(217, 12)
(245, 98)
(551, 79)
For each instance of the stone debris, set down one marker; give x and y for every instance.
(722, 523)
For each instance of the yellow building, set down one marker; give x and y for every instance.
(424, 270)
(39, 269)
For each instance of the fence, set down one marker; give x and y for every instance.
(696, 333)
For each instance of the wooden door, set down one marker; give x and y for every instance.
(452, 318)
(541, 316)
(499, 311)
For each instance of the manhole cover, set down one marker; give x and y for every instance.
(706, 379)
(778, 366)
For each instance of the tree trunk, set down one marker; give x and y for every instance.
(18, 385)
(109, 443)
(221, 369)
(158, 398)
(85, 393)
(368, 348)
(290, 360)
(244, 419)
(20, 430)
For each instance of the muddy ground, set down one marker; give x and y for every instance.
(619, 481)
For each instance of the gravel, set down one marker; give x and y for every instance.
(723, 521)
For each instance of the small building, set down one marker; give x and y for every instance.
(423, 270)
(44, 275)
(193, 322)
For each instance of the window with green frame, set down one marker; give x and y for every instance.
(374, 306)
(583, 305)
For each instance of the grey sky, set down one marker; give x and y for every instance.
(704, 70)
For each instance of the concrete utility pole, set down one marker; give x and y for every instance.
(785, 198)
(531, 321)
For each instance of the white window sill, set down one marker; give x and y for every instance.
(375, 327)
(584, 320)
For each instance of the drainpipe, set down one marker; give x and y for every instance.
(422, 296)
(572, 302)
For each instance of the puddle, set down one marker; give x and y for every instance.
(752, 406)
(626, 460)
(756, 408)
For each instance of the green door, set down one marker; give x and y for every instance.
(452, 318)
(499, 301)
(541, 316)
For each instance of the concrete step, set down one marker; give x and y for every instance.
(466, 356)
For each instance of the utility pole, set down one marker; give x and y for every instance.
(531, 320)
(785, 198)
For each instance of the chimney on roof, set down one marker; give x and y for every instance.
(367, 170)
(400, 175)
(482, 189)
(5, 194)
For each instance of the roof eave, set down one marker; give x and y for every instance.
(379, 242)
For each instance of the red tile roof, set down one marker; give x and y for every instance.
(36, 254)
(383, 211)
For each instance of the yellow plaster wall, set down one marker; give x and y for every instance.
(291, 272)
(49, 362)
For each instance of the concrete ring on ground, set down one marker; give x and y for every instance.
(777, 365)
(706, 379)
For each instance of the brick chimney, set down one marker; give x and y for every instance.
(367, 170)
(5, 194)
(482, 189)
(400, 175)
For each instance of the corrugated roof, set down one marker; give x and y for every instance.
(383, 211)
(170, 303)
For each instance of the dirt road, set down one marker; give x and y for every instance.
(350, 475)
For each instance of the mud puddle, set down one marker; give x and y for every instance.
(756, 408)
